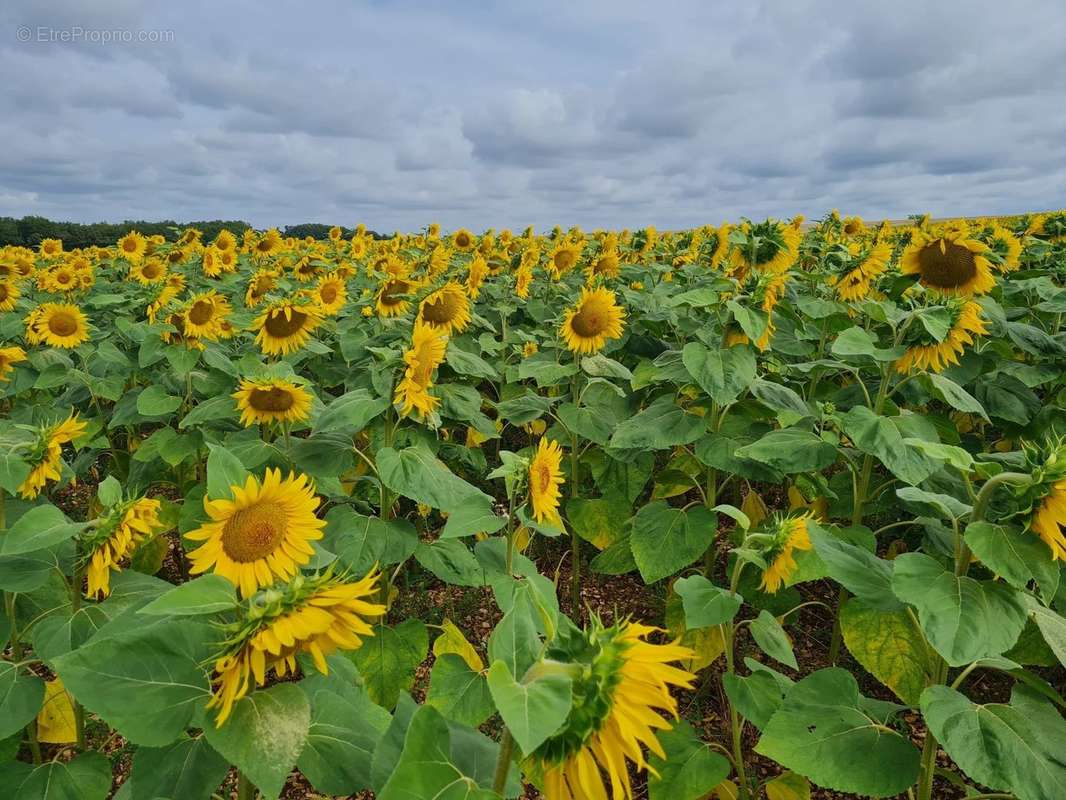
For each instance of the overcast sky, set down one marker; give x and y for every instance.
(609, 113)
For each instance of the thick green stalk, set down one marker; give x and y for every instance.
(75, 605)
(736, 724)
(575, 541)
(503, 762)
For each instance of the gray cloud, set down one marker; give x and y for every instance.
(598, 113)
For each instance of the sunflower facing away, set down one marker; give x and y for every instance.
(619, 696)
(47, 454)
(122, 531)
(263, 533)
(426, 353)
(268, 400)
(1047, 513)
(57, 325)
(937, 356)
(545, 478)
(446, 310)
(285, 327)
(595, 319)
(787, 535)
(9, 356)
(950, 262)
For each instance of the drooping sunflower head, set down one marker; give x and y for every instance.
(545, 478)
(783, 536)
(286, 326)
(856, 268)
(447, 309)
(57, 325)
(271, 400)
(924, 352)
(9, 295)
(948, 261)
(316, 615)
(122, 530)
(620, 686)
(475, 275)
(261, 533)
(1004, 248)
(592, 322)
(428, 348)
(45, 457)
(768, 246)
(1043, 500)
(392, 297)
(9, 356)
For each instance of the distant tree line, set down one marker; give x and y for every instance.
(29, 231)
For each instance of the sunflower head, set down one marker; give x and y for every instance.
(204, 314)
(545, 478)
(149, 270)
(331, 293)
(9, 295)
(50, 248)
(428, 348)
(9, 356)
(120, 532)
(286, 326)
(132, 246)
(778, 543)
(948, 261)
(927, 353)
(1043, 499)
(57, 325)
(447, 309)
(392, 297)
(463, 240)
(272, 400)
(46, 455)
(592, 322)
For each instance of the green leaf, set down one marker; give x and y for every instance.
(532, 711)
(1013, 748)
(757, 696)
(387, 660)
(85, 777)
(109, 492)
(429, 767)
(690, 770)
(780, 398)
(470, 364)
(889, 646)
(360, 542)
(350, 412)
(954, 395)
(21, 695)
(524, 409)
(790, 450)
(932, 504)
(220, 407)
(858, 342)
(189, 769)
(147, 685)
(224, 470)
(451, 561)
(514, 640)
(878, 436)
(823, 731)
(665, 539)
(264, 735)
(346, 727)
(39, 528)
(472, 519)
(722, 374)
(155, 402)
(658, 427)
(964, 619)
(954, 456)
(856, 569)
(459, 692)
(415, 472)
(208, 594)
(705, 604)
(599, 521)
(1052, 628)
(772, 639)
(1016, 557)
(601, 366)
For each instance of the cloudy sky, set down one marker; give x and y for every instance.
(481, 113)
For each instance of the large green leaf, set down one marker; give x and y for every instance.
(532, 710)
(85, 777)
(889, 646)
(188, 768)
(706, 604)
(39, 528)
(658, 427)
(690, 770)
(459, 692)
(1016, 557)
(388, 659)
(208, 594)
(264, 735)
(723, 374)
(857, 569)
(880, 437)
(21, 695)
(964, 619)
(667, 539)
(360, 542)
(415, 472)
(790, 450)
(350, 412)
(772, 639)
(515, 640)
(1013, 748)
(826, 732)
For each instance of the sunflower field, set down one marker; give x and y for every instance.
(765, 510)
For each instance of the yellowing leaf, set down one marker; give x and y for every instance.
(726, 790)
(707, 643)
(788, 786)
(55, 720)
(889, 646)
(755, 508)
(451, 640)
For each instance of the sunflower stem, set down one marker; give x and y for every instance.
(75, 605)
(503, 762)
(736, 724)
(575, 542)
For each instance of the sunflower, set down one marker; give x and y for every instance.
(285, 327)
(10, 356)
(121, 532)
(180, 334)
(446, 310)
(262, 282)
(315, 615)
(331, 294)
(272, 400)
(426, 353)
(851, 226)
(50, 248)
(1005, 250)
(47, 454)
(788, 534)
(57, 325)
(936, 356)
(391, 299)
(358, 248)
(855, 283)
(545, 478)
(950, 262)
(463, 240)
(62, 278)
(270, 242)
(563, 258)
(595, 319)
(225, 241)
(211, 262)
(9, 295)
(721, 245)
(769, 246)
(475, 275)
(227, 260)
(149, 271)
(132, 246)
(335, 233)
(204, 314)
(1049, 520)
(174, 286)
(523, 279)
(260, 535)
(621, 684)
(606, 264)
